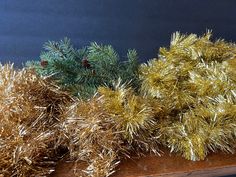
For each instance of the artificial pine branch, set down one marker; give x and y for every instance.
(82, 71)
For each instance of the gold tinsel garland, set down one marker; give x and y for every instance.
(195, 80)
(108, 127)
(29, 111)
(187, 102)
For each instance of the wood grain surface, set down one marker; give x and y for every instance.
(216, 164)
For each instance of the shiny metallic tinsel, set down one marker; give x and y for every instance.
(195, 80)
(29, 109)
(107, 128)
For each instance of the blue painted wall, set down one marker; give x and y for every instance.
(142, 24)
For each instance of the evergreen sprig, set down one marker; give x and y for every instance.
(82, 71)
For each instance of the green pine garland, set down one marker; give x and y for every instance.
(82, 71)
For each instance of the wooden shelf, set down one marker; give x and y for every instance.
(216, 164)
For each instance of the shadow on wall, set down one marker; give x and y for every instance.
(140, 24)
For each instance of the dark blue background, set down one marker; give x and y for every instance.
(142, 24)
